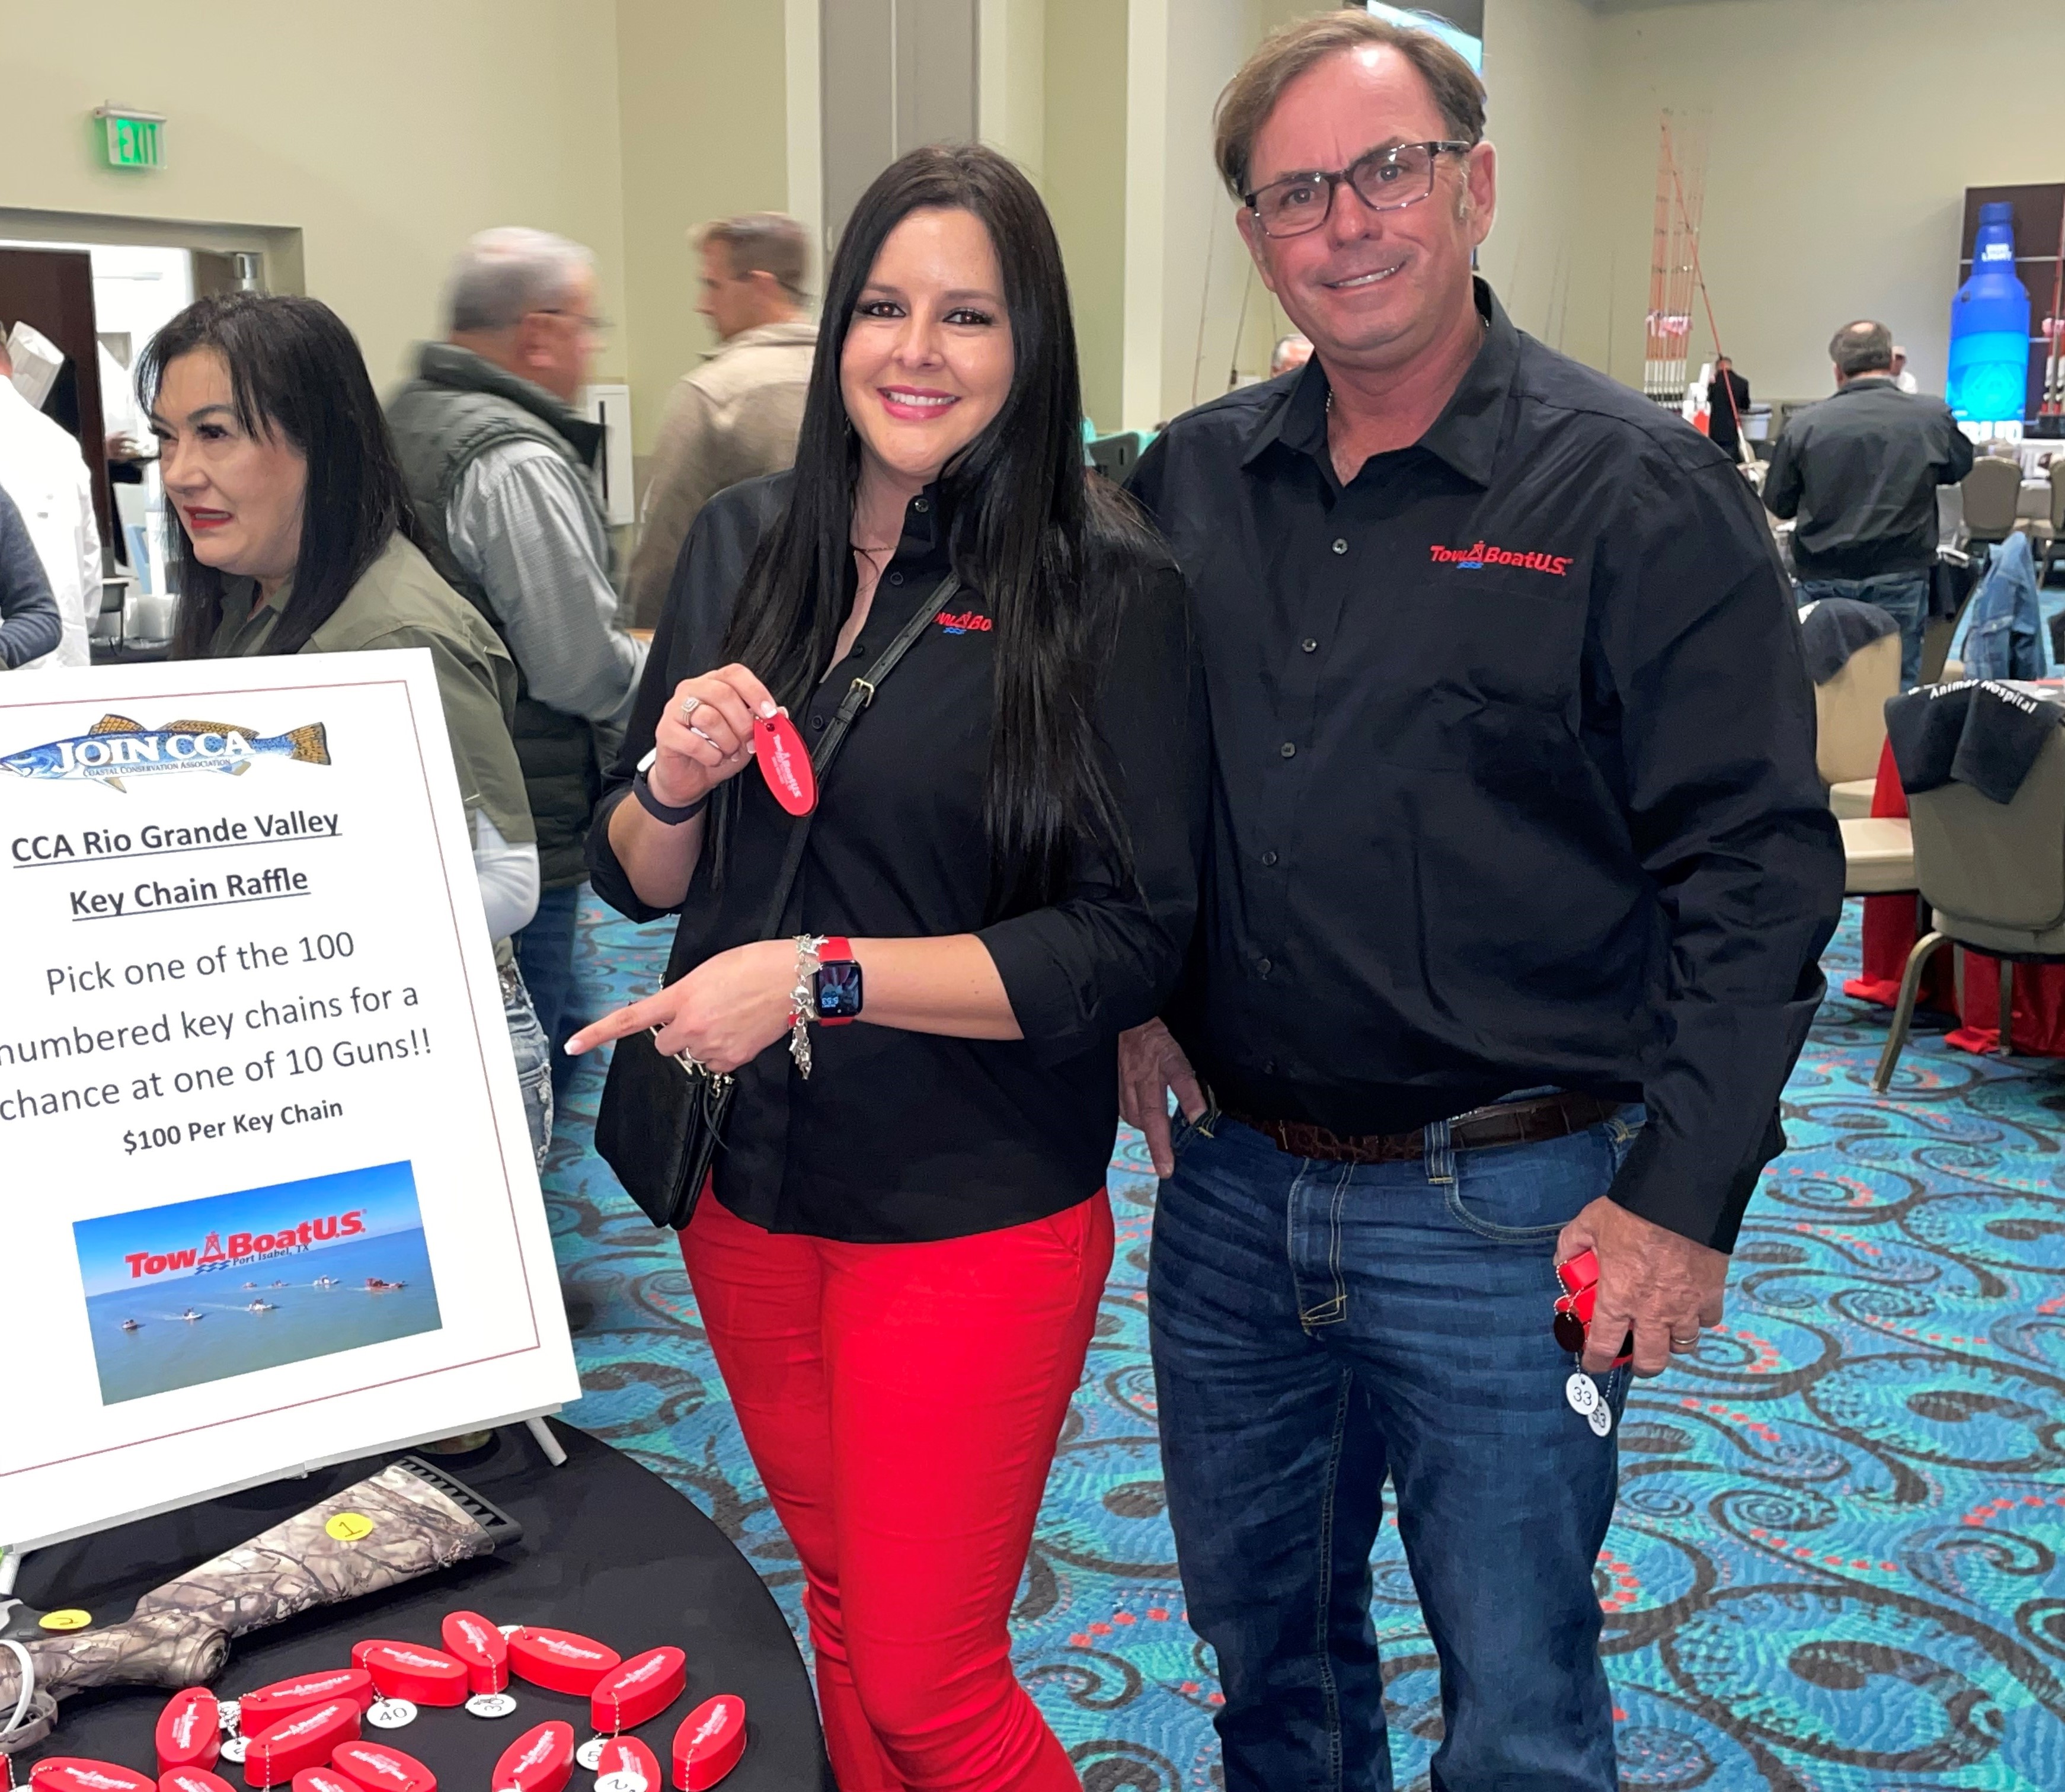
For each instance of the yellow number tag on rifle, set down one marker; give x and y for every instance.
(349, 1527)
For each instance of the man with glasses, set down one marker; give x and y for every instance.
(500, 468)
(1519, 874)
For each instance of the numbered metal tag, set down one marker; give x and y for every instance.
(621, 1782)
(589, 1754)
(1582, 1392)
(490, 1705)
(1600, 1418)
(234, 1748)
(390, 1713)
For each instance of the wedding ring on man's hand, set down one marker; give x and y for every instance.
(1682, 1345)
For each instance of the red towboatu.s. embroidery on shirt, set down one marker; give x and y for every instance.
(1480, 554)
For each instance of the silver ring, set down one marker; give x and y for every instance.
(1691, 1343)
(689, 706)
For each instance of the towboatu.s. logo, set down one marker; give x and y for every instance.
(116, 748)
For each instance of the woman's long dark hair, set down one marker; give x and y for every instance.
(295, 370)
(1053, 553)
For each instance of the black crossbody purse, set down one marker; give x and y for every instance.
(661, 1120)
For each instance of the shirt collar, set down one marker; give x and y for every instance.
(1868, 382)
(1465, 435)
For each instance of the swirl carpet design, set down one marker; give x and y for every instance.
(1835, 1564)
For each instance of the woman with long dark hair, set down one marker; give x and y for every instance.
(901, 1267)
(295, 536)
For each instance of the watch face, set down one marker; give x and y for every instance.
(838, 990)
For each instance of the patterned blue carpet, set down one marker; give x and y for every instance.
(1835, 1566)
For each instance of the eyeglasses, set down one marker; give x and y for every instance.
(1385, 180)
(596, 327)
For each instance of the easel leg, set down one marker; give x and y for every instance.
(543, 1432)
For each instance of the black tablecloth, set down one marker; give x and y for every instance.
(609, 1550)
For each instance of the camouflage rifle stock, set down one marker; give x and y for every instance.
(420, 1520)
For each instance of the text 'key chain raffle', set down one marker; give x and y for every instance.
(785, 762)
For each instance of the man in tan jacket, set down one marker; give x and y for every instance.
(735, 416)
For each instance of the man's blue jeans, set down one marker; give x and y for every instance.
(1903, 595)
(545, 950)
(1317, 1326)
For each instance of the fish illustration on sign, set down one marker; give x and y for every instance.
(116, 748)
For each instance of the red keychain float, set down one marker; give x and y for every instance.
(559, 1660)
(307, 1739)
(78, 1773)
(411, 1671)
(192, 1779)
(262, 1709)
(785, 762)
(708, 1744)
(639, 1690)
(377, 1768)
(626, 1765)
(189, 1732)
(471, 1639)
(540, 1760)
(323, 1779)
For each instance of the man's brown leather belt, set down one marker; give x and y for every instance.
(1507, 1123)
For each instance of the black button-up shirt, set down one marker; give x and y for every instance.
(1859, 472)
(1514, 771)
(902, 1137)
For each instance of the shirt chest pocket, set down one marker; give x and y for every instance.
(1485, 666)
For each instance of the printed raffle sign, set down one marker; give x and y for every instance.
(268, 1197)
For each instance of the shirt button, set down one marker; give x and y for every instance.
(1269, 858)
(1309, 645)
(1288, 749)
(817, 722)
(1262, 966)
(1268, 1067)
(1340, 545)
(920, 505)
(896, 579)
(859, 649)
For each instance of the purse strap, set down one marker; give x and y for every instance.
(859, 695)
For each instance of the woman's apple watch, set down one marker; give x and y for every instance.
(837, 983)
(659, 811)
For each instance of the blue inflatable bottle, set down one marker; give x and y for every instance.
(1988, 379)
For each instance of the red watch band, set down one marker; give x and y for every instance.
(836, 949)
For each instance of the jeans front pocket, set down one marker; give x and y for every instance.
(1526, 1194)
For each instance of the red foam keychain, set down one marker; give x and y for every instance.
(624, 1759)
(540, 1760)
(559, 1660)
(192, 1779)
(262, 1709)
(189, 1732)
(1580, 1278)
(78, 1773)
(307, 1739)
(411, 1671)
(638, 1691)
(785, 762)
(481, 1646)
(377, 1768)
(708, 1744)
(323, 1779)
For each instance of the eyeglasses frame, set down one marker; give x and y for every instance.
(1337, 178)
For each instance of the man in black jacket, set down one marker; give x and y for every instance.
(1859, 472)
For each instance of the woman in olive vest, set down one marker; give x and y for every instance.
(295, 536)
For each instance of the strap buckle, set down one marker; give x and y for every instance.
(867, 692)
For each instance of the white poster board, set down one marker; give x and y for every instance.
(266, 1192)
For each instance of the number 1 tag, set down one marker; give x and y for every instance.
(785, 762)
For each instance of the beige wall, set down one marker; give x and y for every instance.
(703, 135)
(1540, 73)
(1085, 182)
(1834, 190)
(385, 140)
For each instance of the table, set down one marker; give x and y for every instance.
(609, 1550)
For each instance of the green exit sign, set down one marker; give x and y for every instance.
(132, 139)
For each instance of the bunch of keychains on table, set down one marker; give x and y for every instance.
(303, 1733)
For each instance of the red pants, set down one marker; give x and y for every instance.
(901, 1403)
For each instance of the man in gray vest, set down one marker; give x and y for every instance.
(499, 467)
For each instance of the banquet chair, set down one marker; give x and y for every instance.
(1993, 876)
(1849, 722)
(2053, 546)
(1993, 494)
